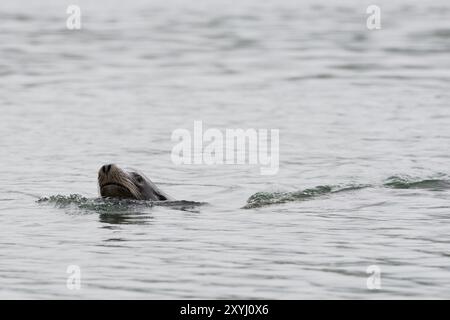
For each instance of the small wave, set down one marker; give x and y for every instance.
(407, 182)
(104, 205)
(261, 199)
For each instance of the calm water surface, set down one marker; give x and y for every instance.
(364, 124)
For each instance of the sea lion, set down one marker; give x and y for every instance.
(115, 182)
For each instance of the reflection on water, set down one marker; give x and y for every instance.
(125, 218)
(353, 107)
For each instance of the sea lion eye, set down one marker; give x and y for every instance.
(139, 179)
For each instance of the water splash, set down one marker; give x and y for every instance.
(105, 205)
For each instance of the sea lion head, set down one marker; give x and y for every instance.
(115, 182)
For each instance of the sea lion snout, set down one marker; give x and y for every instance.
(106, 168)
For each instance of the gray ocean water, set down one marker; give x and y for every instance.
(364, 173)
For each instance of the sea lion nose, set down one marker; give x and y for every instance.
(106, 168)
